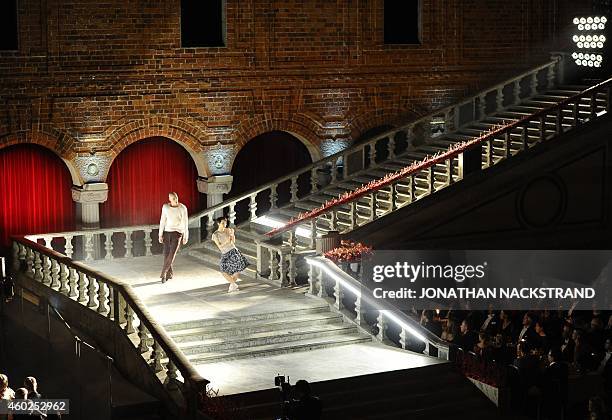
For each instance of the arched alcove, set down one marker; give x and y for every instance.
(263, 159)
(35, 192)
(140, 178)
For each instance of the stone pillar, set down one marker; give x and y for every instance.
(88, 199)
(214, 187)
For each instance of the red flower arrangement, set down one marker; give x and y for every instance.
(453, 151)
(349, 251)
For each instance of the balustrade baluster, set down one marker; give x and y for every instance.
(550, 77)
(314, 186)
(89, 247)
(543, 128)
(576, 112)
(129, 319)
(507, 144)
(55, 270)
(373, 204)
(319, 280)
(516, 92)
(333, 220)
(16, 263)
(560, 120)
(533, 84)
(143, 337)
(372, 153)
(311, 279)
(42, 268)
(431, 180)
(23, 253)
(210, 223)
(273, 263)
(381, 323)
(294, 189)
(111, 302)
(82, 288)
(102, 295)
(525, 137)
(334, 171)
(403, 341)
(353, 215)
(273, 197)
(391, 145)
(171, 375)
(30, 263)
(148, 241)
(489, 153)
(69, 247)
(156, 356)
(449, 171)
(313, 233)
(593, 105)
(63, 278)
(72, 282)
(253, 206)
(129, 244)
(499, 98)
(281, 268)
(337, 295)
(108, 245)
(231, 215)
(91, 291)
(482, 106)
(359, 310)
(292, 269)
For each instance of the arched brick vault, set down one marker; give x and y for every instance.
(253, 127)
(55, 143)
(178, 131)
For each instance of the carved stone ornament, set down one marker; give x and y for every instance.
(92, 168)
(221, 184)
(219, 158)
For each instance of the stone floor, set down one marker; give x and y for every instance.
(197, 292)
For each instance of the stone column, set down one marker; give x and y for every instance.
(88, 199)
(215, 187)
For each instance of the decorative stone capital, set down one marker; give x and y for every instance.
(92, 169)
(219, 184)
(219, 158)
(94, 193)
(330, 147)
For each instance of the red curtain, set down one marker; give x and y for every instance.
(35, 193)
(140, 179)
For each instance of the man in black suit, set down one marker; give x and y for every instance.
(554, 386)
(527, 333)
(467, 338)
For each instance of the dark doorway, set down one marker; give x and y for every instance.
(263, 159)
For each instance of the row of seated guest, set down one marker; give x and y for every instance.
(29, 391)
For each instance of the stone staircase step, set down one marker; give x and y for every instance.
(251, 327)
(282, 336)
(316, 308)
(275, 349)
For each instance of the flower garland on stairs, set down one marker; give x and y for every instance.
(390, 178)
(349, 251)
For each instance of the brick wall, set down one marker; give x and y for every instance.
(99, 75)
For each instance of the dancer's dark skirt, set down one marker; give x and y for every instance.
(233, 262)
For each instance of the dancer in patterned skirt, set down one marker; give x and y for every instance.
(232, 261)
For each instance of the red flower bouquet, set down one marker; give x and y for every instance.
(349, 251)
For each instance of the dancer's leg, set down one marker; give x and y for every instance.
(229, 277)
(165, 253)
(173, 239)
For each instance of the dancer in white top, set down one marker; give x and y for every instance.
(173, 228)
(232, 261)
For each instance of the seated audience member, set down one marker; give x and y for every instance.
(506, 327)
(31, 384)
(567, 343)
(527, 333)
(6, 393)
(481, 348)
(449, 331)
(540, 341)
(467, 338)
(490, 323)
(22, 394)
(306, 406)
(428, 322)
(554, 386)
(596, 335)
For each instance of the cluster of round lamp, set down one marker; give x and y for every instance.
(591, 44)
(590, 60)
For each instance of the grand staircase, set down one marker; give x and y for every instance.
(263, 334)
(247, 233)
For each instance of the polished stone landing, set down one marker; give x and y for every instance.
(198, 294)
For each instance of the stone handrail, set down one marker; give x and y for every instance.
(326, 171)
(323, 269)
(402, 184)
(116, 301)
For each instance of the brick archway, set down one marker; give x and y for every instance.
(55, 143)
(178, 132)
(367, 121)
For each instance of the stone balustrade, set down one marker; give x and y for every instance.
(329, 282)
(116, 301)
